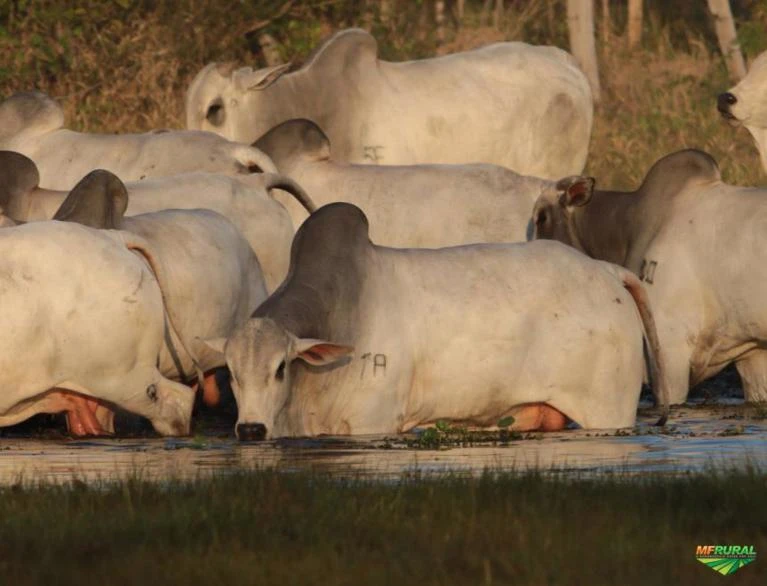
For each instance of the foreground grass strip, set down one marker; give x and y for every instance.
(263, 527)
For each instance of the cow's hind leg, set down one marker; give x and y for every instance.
(537, 417)
(752, 368)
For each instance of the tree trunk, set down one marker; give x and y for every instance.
(728, 38)
(498, 14)
(385, 11)
(635, 23)
(460, 8)
(270, 50)
(486, 5)
(580, 22)
(439, 18)
(606, 22)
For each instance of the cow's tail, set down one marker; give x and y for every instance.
(277, 181)
(140, 245)
(658, 377)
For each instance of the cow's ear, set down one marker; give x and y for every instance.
(320, 352)
(247, 79)
(214, 345)
(575, 191)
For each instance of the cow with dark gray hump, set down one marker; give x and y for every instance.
(699, 245)
(366, 339)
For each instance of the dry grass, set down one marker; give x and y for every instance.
(124, 65)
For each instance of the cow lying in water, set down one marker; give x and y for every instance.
(246, 200)
(698, 244)
(208, 279)
(366, 339)
(420, 206)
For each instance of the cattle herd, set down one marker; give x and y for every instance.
(371, 247)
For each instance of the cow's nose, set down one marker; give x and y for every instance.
(249, 432)
(724, 101)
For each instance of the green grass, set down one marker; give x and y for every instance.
(263, 527)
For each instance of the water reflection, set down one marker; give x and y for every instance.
(697, 438)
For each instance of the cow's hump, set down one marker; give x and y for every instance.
(18, 177)
(333, 232)
(673, 172)
(99, 200)
(341, 49)
(29, 111)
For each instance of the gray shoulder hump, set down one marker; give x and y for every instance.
(18, 177)
(297, 138)
(99, 200)
(673, 172)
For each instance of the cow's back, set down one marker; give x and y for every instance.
(74, 299)
(505, 104)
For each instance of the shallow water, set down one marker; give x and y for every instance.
(697, 438)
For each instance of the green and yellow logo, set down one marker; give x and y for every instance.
(725, 559)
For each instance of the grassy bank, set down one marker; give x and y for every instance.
(269, 528)
(124, 65)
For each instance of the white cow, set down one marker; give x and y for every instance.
(33, 124)
(699, 245)
(245, 200)
(83, 317)
(365, 339)
(746, 104)
(525, 107)
(426, 206)
(212, 281)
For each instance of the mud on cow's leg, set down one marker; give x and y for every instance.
(752, 369)
(211, 394)
(81, 413)
(538, 417)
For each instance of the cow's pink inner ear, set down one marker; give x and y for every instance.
(579, 193)
(324, 353)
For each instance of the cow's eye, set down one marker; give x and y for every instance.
(280, 374)
(216, 113)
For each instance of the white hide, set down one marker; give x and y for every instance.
(708, 287)
(243, 200)
(31, 123)
(212, 279)
(750, 109)
(528, 108)
(82, 312)
(466, 334)
(424, 206)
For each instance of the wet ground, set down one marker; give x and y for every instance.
(724, 435)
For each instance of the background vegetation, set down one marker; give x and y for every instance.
(124, 65)
(277, 528)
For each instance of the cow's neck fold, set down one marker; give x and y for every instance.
(603, 226)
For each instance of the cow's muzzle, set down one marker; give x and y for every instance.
(250, 432)
(724, 104)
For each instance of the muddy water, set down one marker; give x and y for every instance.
(697, 438)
